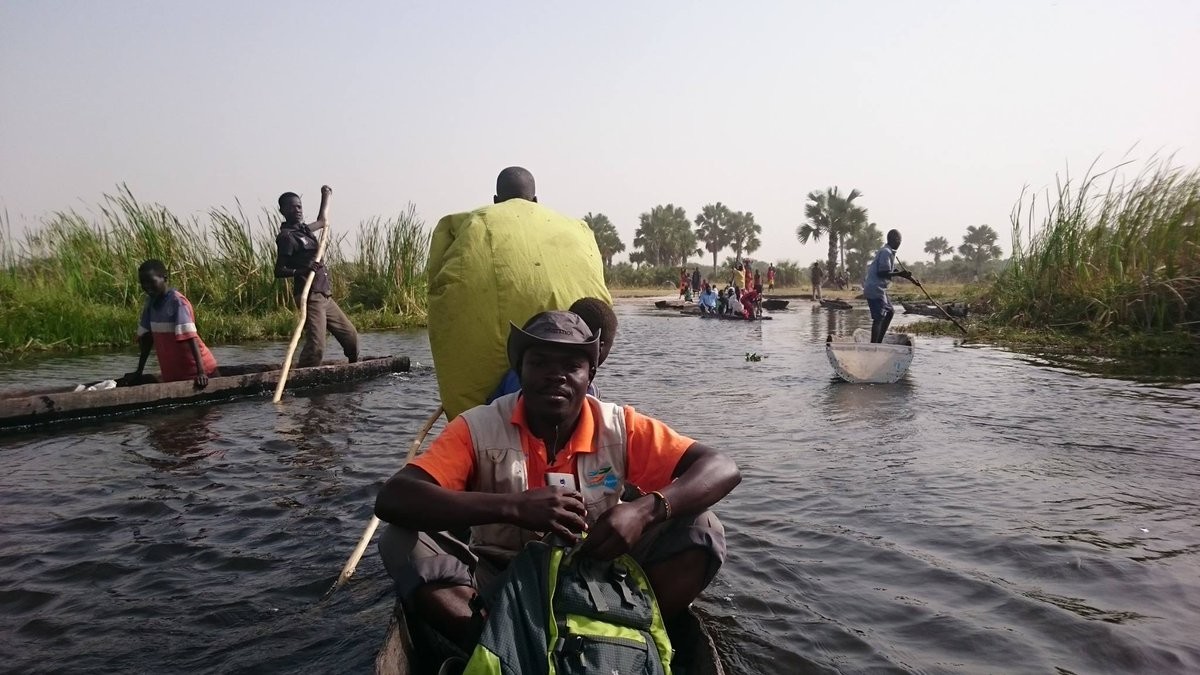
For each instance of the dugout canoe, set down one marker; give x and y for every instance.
(34, 409)
(836, 304)
(695, 651)
(858, 360)
(672, 304)
(956, 309)
(723, 317)
(774, 304)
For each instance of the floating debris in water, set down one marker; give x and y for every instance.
(751, 356)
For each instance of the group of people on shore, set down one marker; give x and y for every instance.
(745, 303)
(742, 296)
(741, 276)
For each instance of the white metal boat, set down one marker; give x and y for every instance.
(856, 359)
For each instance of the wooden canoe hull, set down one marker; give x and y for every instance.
(695, 311)
(671, 304)
(956, 309)
(774, 304)
(861, 362)
(695, 650)
(836, 304)
(35, 410)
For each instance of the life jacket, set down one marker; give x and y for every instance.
(558, 614)
(500, 468)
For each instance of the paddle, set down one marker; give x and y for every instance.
(935, 304)
(322, 218)
(368, 533)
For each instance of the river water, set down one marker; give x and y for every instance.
(992, 512)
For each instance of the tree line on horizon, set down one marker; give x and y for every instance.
(666, 238)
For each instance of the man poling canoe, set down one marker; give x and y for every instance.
(875, 285)
(297, 246)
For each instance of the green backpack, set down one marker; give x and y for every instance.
(559, 614)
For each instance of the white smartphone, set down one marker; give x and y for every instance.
(566, 480)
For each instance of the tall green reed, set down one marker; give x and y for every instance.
(1109, 255)
(71, 281)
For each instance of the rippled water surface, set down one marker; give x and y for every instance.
(989, 513)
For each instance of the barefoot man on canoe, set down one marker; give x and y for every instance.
(297, 245)
(489, 470)
(875, 285)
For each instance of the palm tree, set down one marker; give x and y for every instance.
(819, 225)
(861, 247)
(848, 219)
(665, 235)
(833, 217)
(979, 246)
(938, 247)
(712, 225)
(607, 239)
(743, 233)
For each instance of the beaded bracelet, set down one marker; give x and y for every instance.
(666, 504)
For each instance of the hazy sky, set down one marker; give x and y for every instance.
(938, 112)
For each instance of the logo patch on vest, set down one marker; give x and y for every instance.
(603, 476)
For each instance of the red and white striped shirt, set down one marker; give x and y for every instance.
(173, 323)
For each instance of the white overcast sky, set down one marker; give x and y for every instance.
(939, 112)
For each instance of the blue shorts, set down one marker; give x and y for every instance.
(880, 307)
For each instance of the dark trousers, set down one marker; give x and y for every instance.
(324, 314)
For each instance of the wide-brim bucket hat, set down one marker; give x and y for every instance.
(558, 329)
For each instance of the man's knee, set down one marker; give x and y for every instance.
(414, 560)
(701, 535)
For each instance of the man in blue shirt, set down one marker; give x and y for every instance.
(879, 275)
(708, 300)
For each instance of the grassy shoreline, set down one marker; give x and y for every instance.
(70, 285)
(989, 330)
(1113, 271)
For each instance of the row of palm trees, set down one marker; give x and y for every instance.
(665, 237)
(842, 221)
(977, 249)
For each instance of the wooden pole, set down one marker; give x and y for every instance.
(365, 539)
(323, 220)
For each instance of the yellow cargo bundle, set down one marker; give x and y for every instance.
(497, 264)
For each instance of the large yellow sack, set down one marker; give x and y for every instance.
(500, 263)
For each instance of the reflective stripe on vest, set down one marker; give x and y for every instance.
(500, 467)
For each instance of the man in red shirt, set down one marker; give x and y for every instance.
(168, 324)
(628, 480)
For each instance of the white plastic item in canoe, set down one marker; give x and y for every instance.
(858, 360)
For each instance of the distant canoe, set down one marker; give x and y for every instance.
(726, 317)
(774, 304)
(956, 309)
(836, 304)
(33, 409)
(671, 304)
(858, 360)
